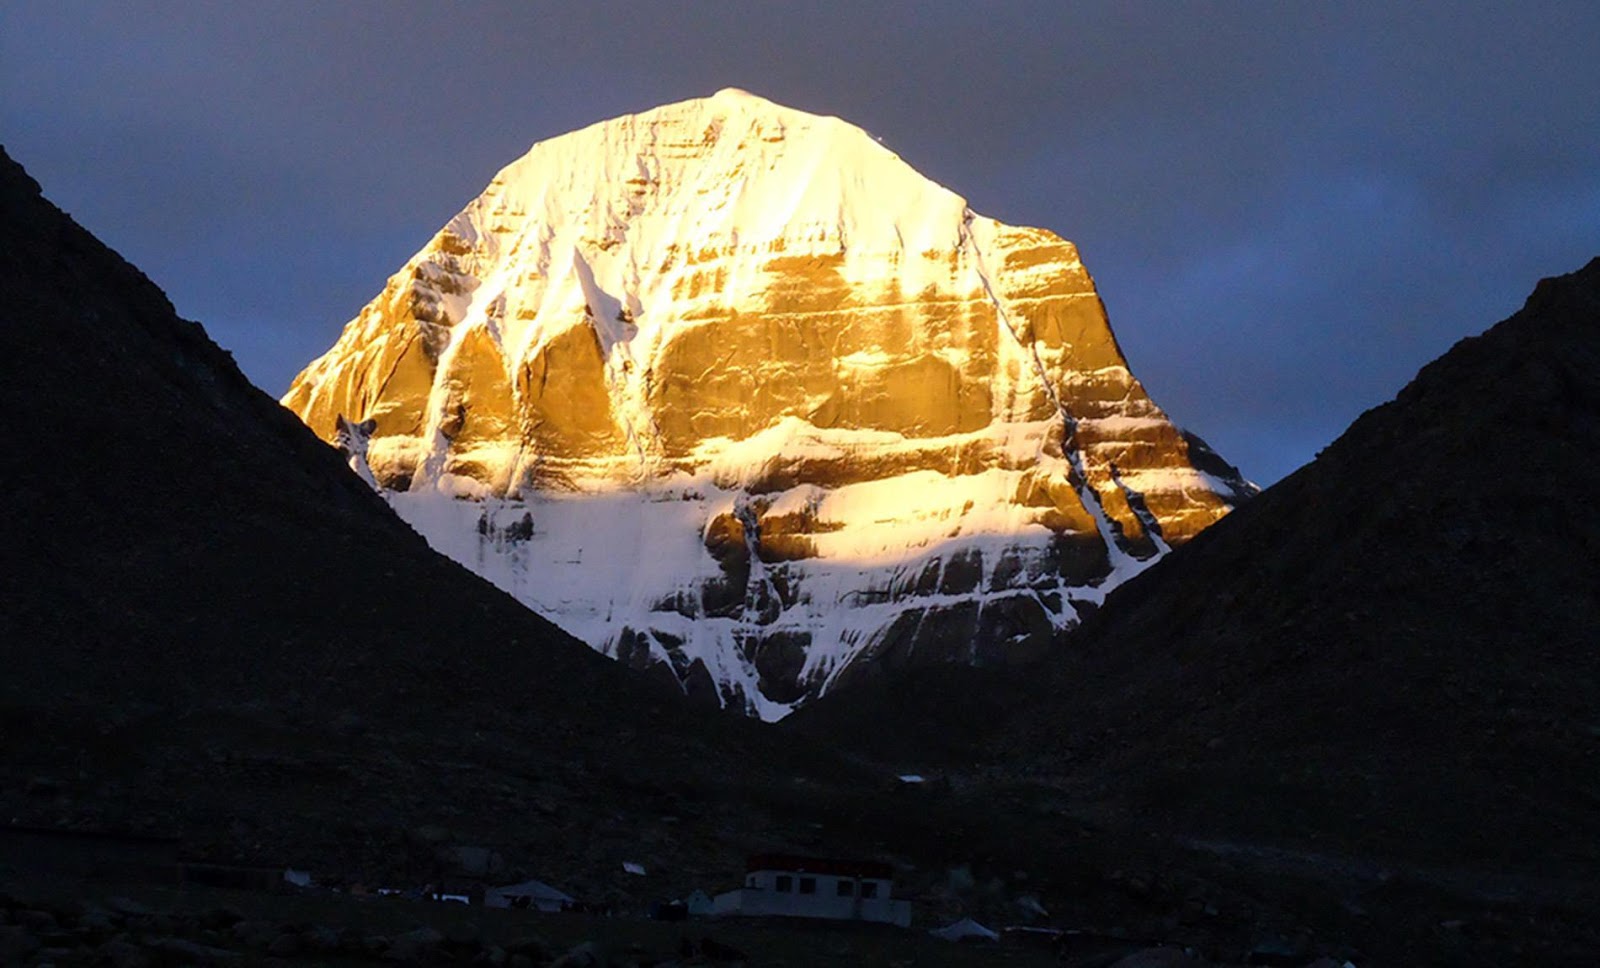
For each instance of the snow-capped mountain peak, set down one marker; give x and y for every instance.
(729, 389)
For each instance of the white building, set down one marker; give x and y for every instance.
(810, 887)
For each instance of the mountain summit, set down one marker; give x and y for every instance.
(728, 389)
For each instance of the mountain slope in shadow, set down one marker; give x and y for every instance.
(212, 629)
(1395, 649)
(1387, 665)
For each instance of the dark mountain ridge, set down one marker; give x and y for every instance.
(1386, 664)
(1395, 647)
(212, 629)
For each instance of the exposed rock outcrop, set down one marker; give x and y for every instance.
(764, 391)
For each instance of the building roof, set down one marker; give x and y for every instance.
(538, 890)
(964, 929)
(818, 865)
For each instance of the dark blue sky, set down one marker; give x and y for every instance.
(1289, 208)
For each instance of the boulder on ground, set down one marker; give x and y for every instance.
(1159, 958)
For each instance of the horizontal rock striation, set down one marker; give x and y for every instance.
(730, 391)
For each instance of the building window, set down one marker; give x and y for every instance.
(785, 884)
(808, 885)
(847, 889)
(869, 888)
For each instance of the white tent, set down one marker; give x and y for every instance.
(540, 896)
(965, 929)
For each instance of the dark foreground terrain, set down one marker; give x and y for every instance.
(155, 926)
(1355, 720)
(211, 628)
(222, 652)
(1383, 670)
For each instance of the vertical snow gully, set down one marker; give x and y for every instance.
(1115, 544)
(1141, 510)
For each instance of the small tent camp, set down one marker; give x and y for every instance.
(535, 895)
(965, 929)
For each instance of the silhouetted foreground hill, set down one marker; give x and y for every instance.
(210, 628)
(1386, 665)
(1395, 651)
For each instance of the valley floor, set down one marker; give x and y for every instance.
(69, 921)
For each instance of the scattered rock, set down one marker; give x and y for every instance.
(715, 951)
(16, 944)
(68, 909)
(1278, 951)
(187, 952)
(414, 946)
(960, 879)
(96, 922)
(221, 918)
(123, 954)
(586, 955)
(531, 947)
(1135, 886)
(320, 937)
(1158, 958)
(255, 934)
(42, 786)
(430, 834)
(126, 907)
(37, 922)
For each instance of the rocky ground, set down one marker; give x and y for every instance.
(79, 924)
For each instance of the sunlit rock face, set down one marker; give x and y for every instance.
(731, 392)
